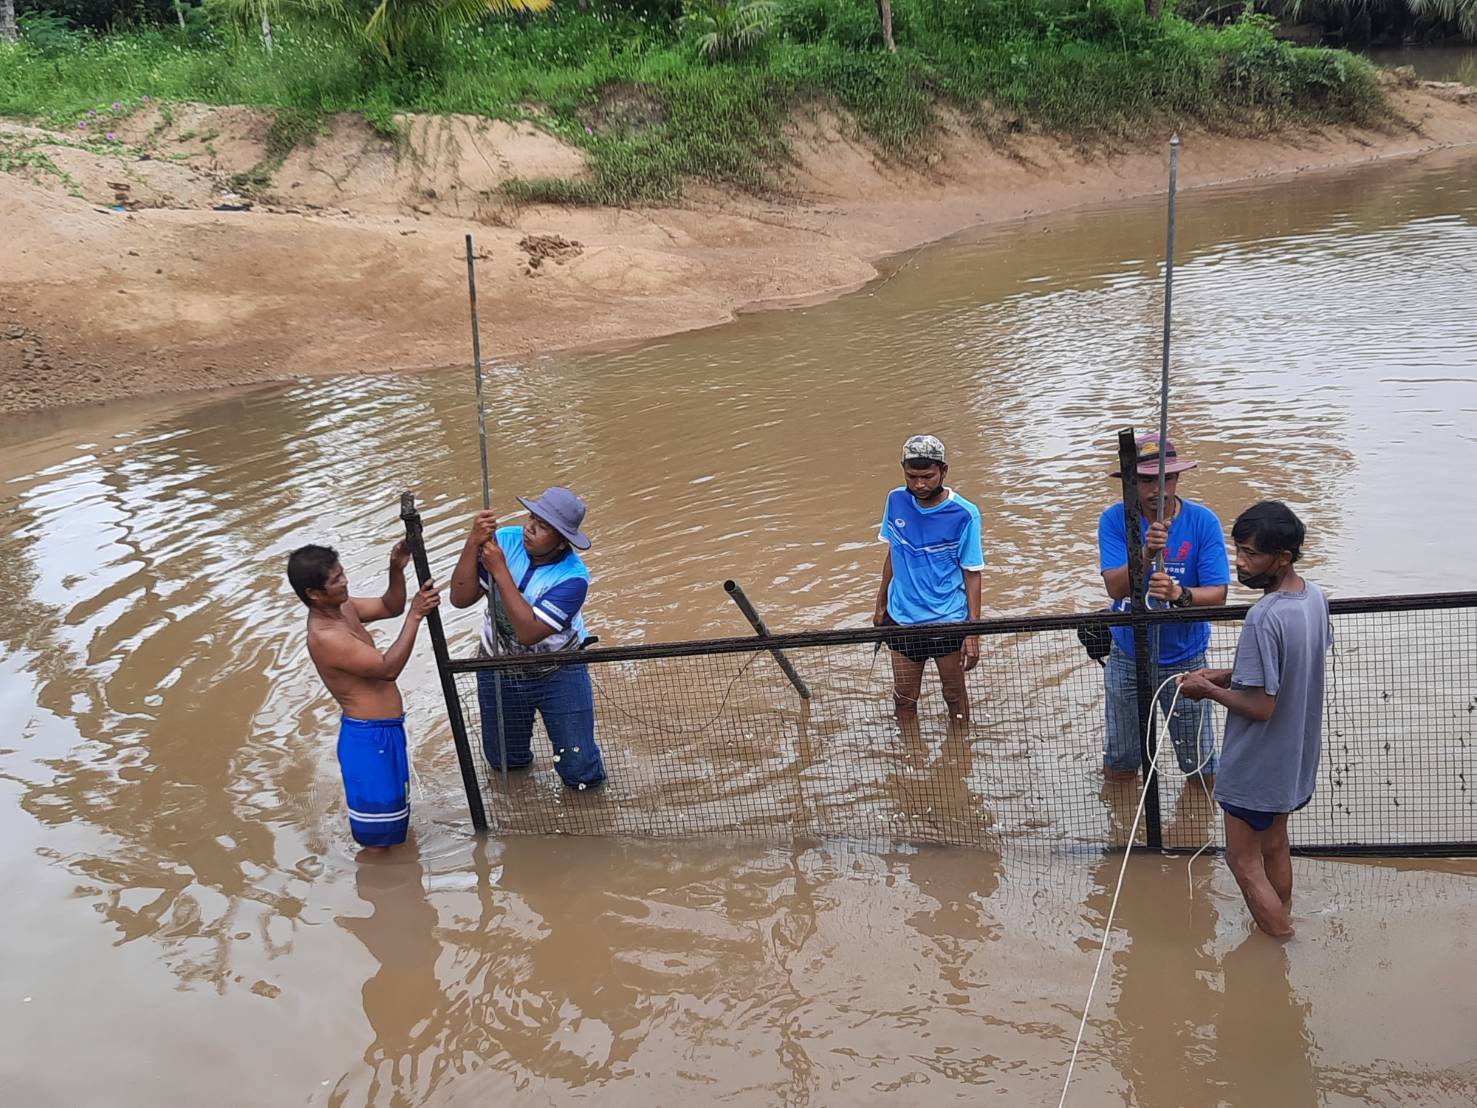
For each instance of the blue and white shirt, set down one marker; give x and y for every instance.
(1195, 556)
(931, 549)
(555, 591)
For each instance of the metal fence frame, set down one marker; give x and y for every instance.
(1007, 625)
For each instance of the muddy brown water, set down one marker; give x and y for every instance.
(187, 921)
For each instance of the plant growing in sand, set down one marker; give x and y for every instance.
(727, 28)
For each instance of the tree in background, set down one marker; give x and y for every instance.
(259, 15)
(7, 21)
(884, 17)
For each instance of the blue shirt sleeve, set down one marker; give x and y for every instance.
(1112, 543)
(884, 532)
(1212, 567)
(562, 602)
(971, 552)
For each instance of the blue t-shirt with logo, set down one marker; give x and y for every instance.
(1195, 555)
(931, 549)
(556, 592)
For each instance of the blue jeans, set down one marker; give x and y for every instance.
(1190, 721)
(566, 701)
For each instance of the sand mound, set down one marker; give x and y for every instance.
(151, 264)
(198, 156)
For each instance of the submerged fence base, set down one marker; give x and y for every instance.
(710, 737)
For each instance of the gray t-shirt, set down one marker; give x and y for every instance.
(1273, 766)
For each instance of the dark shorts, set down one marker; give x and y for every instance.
(1258, 821)
(924, 642)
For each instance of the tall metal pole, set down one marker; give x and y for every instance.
(1162, 513)
(1174, 157)
(492, 601)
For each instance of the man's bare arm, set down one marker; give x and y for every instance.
(881, 612)
(1255, 704)
(392, 603)
(466, 587)
(1204, 684)
(336, 648)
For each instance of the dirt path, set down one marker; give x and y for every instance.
(354, 261)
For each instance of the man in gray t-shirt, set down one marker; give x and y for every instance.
(1273, 696)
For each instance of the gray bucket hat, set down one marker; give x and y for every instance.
(563, 511)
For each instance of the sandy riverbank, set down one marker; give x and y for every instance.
(353, 261)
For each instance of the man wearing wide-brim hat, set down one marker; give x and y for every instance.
(541, 586)
(1195, 575)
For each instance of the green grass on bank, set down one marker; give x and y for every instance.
(651, 111)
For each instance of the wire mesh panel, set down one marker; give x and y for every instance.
(713, 737)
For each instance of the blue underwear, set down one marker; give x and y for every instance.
(371, 756)
(1257, 821)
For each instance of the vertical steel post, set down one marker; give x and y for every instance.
(414, 540)
(1128, 457)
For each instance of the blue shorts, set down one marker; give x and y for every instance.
(371, 756)
(1258, 821)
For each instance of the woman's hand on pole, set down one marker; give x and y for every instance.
(484, 524)
(493, 559)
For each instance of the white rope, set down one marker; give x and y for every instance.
(1123, 869)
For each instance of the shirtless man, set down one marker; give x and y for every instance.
(371, 737)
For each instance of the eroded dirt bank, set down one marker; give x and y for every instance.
(132, 268)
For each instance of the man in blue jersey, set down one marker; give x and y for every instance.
(541, 587)
(931, 575)
(1195, 575)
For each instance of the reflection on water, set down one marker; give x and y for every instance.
(172, 809)
(1431, 63)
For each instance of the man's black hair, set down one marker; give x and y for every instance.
(920, 464)
(308, 567)
(1272, 528)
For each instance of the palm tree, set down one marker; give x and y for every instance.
(1461, 12)
(394, 23)
(7, 21)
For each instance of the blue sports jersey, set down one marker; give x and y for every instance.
(931, 549)
(1195, 555)
(555, 591)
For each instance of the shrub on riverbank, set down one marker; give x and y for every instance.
(651, 108)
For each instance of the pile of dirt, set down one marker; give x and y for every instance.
(555, 248)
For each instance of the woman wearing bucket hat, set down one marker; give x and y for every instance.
(541, 587)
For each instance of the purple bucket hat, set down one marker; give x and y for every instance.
(563, 511)
(1148, 447)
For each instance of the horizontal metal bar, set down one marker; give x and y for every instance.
(1350, 850)
(1006, 625)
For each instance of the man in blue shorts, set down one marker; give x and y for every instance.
(931, 575)
(1273, 696)
(1195, 575)
(541, 585)
(371, 738)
